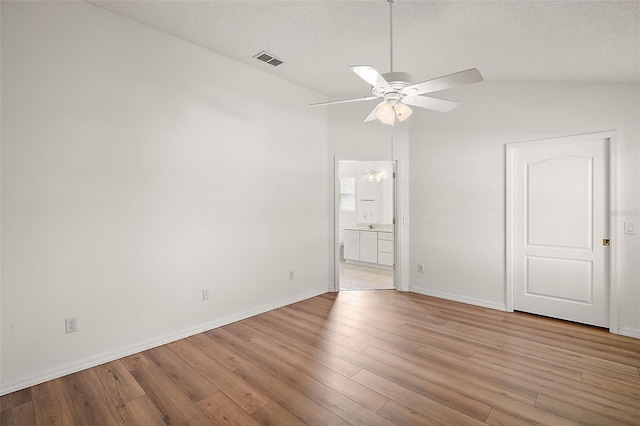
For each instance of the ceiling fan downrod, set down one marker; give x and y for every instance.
(390, 35)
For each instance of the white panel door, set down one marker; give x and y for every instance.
(559, 199)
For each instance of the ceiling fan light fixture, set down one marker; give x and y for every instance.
(374, 175)
(402, 111)
(386, 114)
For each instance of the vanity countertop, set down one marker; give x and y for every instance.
(366, 228)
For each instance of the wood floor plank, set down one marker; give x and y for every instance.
(372, 336)
(191, 382)
(400, 415)
(175, 406)
(577, 414)
(289, 329)
(500, 418)
(218, 351)
(91, 400)
(409, 381)
(419, 403)
(598, 350)
(596, 338)
(442, 341)
(335, 381)
(319, 331)
(18, 415)
(142, 412)
(307, 410)
(466, 339)
(573, 392)
(600, 367)
(273, 414)
(240, 391)
(471, 388)
(118, 382)
(531, 363)
(543, 325)
(312, 352)
(252, 351)
(334, 401)
(611, 385)
(15, 399)
(136, 361)
(222, 410)
(463, 369)
(325, 322)
(52, 404)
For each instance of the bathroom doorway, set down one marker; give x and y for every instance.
(365, 211)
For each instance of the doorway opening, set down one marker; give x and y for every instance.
(365, 211)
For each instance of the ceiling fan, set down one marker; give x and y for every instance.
(398, 93)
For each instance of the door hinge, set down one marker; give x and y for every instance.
(394, 220)
(606, 242)
(394, 175)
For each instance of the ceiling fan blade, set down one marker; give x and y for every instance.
(371, 76)
(366, 98)
(446, 82)
(372, 115)
(429, 103)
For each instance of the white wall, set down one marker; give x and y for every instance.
(457, 181)
(137, 170)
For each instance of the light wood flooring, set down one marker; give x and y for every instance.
(357, 277)
(359, 357)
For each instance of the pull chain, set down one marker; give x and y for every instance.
(392, 159)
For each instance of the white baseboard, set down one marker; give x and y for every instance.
(629, 332)
(79, 365)
(457, 298)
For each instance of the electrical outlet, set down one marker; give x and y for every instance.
(205, 294)
(420, 268)
(291, 275)
(70, 325)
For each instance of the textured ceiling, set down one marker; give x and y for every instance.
(319, 40)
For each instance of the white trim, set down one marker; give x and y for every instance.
(629, 332)
(508, 271)
(614, 312)
(613, 222)
(336, 216)
(79, 365)
(457, 298)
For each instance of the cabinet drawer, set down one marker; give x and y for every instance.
(385, 236)
(385, 246)
(385, 259)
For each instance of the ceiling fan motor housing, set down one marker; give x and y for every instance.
(397, 80)
(398, 77)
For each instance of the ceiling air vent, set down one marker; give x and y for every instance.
(268, 58)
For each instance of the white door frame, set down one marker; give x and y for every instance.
(336, 214)
(613, 225)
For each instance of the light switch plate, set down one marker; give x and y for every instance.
(630, 228)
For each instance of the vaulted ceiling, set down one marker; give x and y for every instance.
(595, 41)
